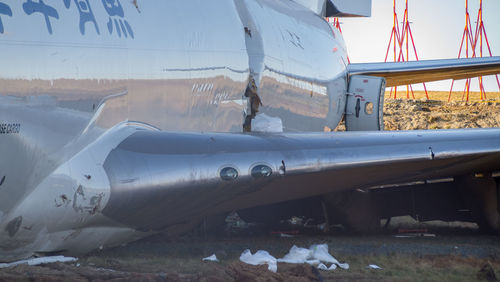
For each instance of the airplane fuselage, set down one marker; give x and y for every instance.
(72, 72)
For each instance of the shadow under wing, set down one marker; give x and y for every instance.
(162, 179)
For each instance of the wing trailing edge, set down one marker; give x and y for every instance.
(403, 73)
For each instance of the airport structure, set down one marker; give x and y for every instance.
(401, 36)
(401, 46)
(473, 39)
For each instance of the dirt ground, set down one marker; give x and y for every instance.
(438, 113)
(444, 252)
(436, 251)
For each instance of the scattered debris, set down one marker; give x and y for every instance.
(486, 273)
(259, 258)
(38, 261)
(299, 255)
(211, 258)
(429, 235)
(286, 234)
(374, 266)
(320, 252)
(412, 230)
(316, 255)
(234, 224)
(321, 266)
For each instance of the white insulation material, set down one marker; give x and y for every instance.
(38, 261)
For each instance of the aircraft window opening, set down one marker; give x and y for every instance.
(369, 108)
(228, 173)
(260, 171)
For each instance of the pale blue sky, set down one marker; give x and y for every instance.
(437, 27)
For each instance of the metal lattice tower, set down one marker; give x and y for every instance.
(400, 41)
(473, 37)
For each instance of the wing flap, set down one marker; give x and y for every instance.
(161, 179)
(403, 73)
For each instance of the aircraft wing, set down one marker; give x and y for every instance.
(163, 179)
(403, 73)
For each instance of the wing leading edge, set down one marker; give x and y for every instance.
(163, 179)
(403, 73)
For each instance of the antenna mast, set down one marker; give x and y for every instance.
(473, 39)
(400, 41)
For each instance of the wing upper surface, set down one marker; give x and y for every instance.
(160, 179)
(403, 73)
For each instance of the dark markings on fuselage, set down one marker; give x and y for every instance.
(13, 226)
(10, 128)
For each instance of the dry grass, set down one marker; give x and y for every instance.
(395, 267)
(412, 268)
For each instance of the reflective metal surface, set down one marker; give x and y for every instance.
(72, 70)
(403, 73)
(162, 179)
(87, 87)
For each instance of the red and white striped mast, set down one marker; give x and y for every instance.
(472, 39)
(400, 41)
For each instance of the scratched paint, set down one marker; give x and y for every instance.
(13, 226)
(62, 200)
(85, 204)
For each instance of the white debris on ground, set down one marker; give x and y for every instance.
(211, 258)
(374, 266)
(38, 261)
(316, 255)
(259, 258)
(321, 266)
(299, 255)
